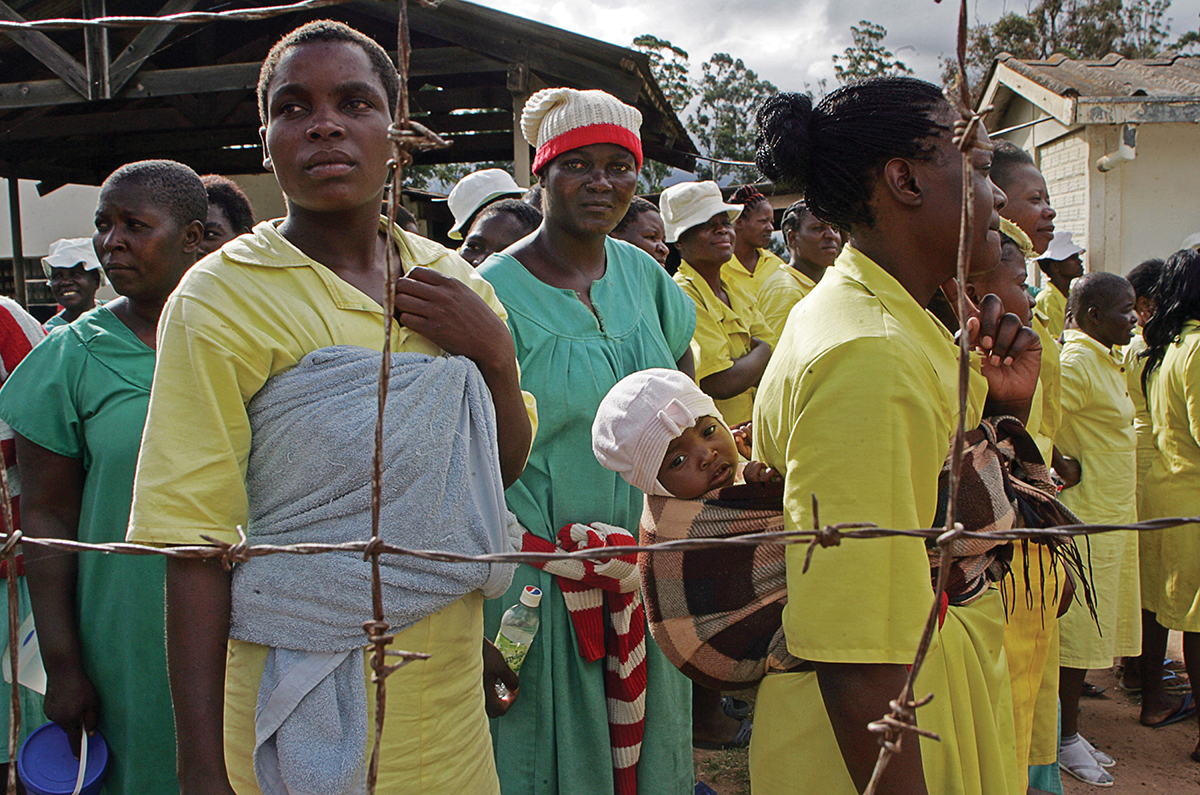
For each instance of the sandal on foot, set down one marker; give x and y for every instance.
(735, 707)
(1186, 710)
(1075, 758)
(1091, 691)
(739, 740)
(1172, 682)
(1088, 774)
(1176, 683)
(1102, 759)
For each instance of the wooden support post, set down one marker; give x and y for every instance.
(95, 42)
(18, 254)
(521, 85)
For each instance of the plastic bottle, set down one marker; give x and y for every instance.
(517, 629)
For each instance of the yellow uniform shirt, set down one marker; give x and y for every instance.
(734, 272)
(1173, 484)
(782, 290)
(1052, 305)
(1097, 430)
(858, 407)
(1046, 417)
(238, 317)
(1134, 365)
(723, 334)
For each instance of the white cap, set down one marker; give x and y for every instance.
(1192, 241)
(531, 596)
(557, 120)
(475, 190)
(1061, 247)
(691, 204)
(69, 252)
(639, 417)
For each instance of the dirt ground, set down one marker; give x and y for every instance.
(1149, 761)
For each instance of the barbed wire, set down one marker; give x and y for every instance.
(832, 535)
(185, 18)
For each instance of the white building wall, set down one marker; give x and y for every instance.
(70, 210)
(67, 212)
(1160, 194)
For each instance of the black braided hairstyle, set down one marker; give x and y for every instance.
(1177, 298)
(833, 152)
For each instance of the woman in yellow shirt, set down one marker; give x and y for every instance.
(858, 408)
(1172, 385)
(313, 280)
(1097, 431)
(752, 262)
(814, 245)
(732, 344)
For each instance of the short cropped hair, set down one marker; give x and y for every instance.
(526, 215)
(1098, 288)
(225, 193)
(328, 30)
(170, 185)
(1007, 157)
(636, 208)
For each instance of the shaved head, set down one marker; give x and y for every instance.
(168, 184)
(1098, 290)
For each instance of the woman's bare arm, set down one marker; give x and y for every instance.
(198, 600)
(51, 496)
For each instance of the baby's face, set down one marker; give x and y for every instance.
(704, 457)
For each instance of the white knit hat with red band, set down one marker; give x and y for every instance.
(557, 120)
(640, 416)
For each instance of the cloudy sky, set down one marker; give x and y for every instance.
(789, 42)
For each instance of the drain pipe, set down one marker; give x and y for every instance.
(1125, 152)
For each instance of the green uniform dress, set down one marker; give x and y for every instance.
(555, 738)
(82, 393)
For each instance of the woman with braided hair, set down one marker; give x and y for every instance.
(752, 262)
(858, 407)
(1170, 563)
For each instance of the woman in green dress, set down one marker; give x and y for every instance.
(585, 310)
(77, 404)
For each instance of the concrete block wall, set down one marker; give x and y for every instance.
(1063, 163)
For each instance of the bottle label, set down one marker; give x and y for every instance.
(514, 653)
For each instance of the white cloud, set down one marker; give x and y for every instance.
(789, 42)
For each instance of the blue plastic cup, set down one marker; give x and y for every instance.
(47, 766)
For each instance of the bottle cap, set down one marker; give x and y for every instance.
(531, 597)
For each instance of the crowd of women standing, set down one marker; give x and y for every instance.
(133, 420)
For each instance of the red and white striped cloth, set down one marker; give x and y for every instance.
(19, 332)
(589, 588)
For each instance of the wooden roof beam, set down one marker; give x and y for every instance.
(53, 57)
(144, 45)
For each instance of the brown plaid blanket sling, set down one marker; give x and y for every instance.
(717, 613)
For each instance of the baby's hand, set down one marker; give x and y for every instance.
(743, 437)
(758, 472)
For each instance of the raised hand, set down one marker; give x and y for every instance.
(1011, 351)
